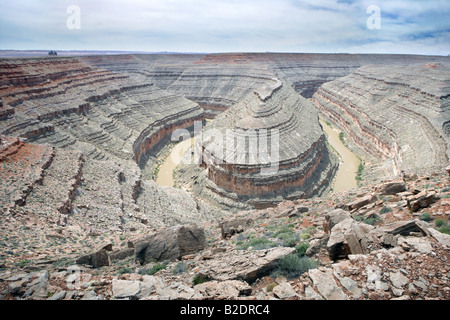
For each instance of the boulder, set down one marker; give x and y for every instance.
(229, 228)
(121, 254)
(333, 217)
(243, 265)
(359, 202)
(170, 244)
(405, 228)
(302, 209)
(284, 291)
(324, 282)
(96, 259)
(392, 187)
(336, 245)
(351, 237)
(230, 289)
(125, 289)
(442, 238)
(421, 200)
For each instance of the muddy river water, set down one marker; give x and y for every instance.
(165, 173)
(349, 162)
(344, 179)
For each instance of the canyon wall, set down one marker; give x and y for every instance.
(118, 111)
(113, 121)
(397, 116)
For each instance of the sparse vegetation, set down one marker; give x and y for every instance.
(358, 176)
(385, 210)
(425, 216)
(200, 278)
(287, 235)
(125, 270)
(301, 248)
(341, 137)
(373, 220)
(154, 269)
(270, 286)
(439, 222)
(445, 229)
(181, 267)
(258, 244)
(293, 266)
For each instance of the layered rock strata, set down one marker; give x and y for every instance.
(67, 110)
(397, 116)
(267, 145)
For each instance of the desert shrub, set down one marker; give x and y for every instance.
(288, 237)
(385, 210)
(372, 221)
(293, 266)
(125, 270)
(179, 268)
(358, 176)
(154, 269)
(341, 137)
(301, 248)
(445, 229)
(306, 234)
(425, 216)
(200, 278)
(258, 244)
(270, 286)
(439, 222)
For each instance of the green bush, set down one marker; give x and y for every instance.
(385, 210)
(372, 221)
(293, 266)
(270, 286)
(199, 278)
(258, 244)
(439, 222)
(301, 248)
(359, 172)
(154, 269)
(125, 270)
(445, 229)
(341, 137)
(425, 216)
(288, 237)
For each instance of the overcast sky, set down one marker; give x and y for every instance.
(415, 27)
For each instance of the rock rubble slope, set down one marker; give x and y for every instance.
(288, 252)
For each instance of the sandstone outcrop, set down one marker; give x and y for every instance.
(170, 244)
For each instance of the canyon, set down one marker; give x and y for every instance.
(82, 140)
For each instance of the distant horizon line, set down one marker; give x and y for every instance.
(206, 53)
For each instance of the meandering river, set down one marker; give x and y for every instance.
(344, 179)
(165, 173)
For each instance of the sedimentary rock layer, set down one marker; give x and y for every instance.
(68, 109)
(268, 144)
(399, 116)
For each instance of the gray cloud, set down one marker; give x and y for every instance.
(228, 25)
